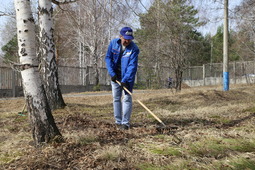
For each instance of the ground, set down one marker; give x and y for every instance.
(215, 131)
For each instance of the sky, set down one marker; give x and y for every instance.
(216, 13)
(6, 5)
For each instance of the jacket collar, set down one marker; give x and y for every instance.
(119, 42)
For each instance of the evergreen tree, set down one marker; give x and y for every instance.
(11, 50)
(201, 51)
(166, 37)
(217, 48)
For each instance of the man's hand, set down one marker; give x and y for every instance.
(124, 85)
(114, 78)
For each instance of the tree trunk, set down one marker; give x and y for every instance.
(96, 69)
(49, 69)
(96, 74)
(178, 76)
(43, 127)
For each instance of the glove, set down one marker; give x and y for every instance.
(123, 85)
(114, 78)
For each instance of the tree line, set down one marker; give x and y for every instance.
(78, 33)
(167, 35)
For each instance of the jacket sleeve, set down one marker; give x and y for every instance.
(109, 61)
(132, 67)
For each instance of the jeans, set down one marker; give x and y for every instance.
(122, 109)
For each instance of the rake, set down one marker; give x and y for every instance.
(161, 129)
(146, 108)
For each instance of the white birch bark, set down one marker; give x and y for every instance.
(47, 54)
(43, 126)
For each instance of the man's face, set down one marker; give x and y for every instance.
(125, 42)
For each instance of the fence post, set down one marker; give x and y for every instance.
(87, 76)
(136, 77)
(234, 70)
(203, 74)
(13, 83)
(0, 78)
(254, 66)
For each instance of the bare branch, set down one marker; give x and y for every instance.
(58, 2)
(10, 14)
(143, 5)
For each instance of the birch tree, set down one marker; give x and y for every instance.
(244, 15)
(91, 25)
(47, 53)
(43, 125)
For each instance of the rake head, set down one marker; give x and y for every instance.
(166, 129)
(169, 130)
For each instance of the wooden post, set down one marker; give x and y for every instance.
(1, 74)
(203, 74)
(87, 76)
(234, 70)
(13, 83)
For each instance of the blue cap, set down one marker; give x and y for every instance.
(127, 33)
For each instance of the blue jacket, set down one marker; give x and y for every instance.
(129, 61)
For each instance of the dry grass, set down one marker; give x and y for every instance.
(215, 131)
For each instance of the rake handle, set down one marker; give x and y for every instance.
(124, 88)
(146, 108)
(156, 117)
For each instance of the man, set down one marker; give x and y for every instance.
(121, 62)
(170, 82)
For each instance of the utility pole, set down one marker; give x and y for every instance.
(211, 58)
(157, 64)
(225, 49)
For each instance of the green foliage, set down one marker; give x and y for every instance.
(140, 85)
(217, 46)
(217, 49)
(240, 145)
(167, 38)
(11, 50)
(235, 164)
(181, 165)
(251, 109)
(220, 119)
(8, 157)
(148, 166)
(87, 140)
(169, 151)
(219, 147)
(208, 147)
(96, 87)
(201, 52)
(242, 164)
